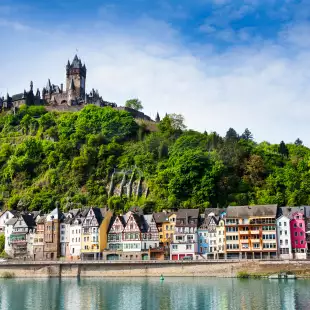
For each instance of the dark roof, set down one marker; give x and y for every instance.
(18, 97)
(288, 211)
(247, 211)
(161, 217)
(12, 221)
(29, 220)
(186, 215)
(98, 215)
(113, 218)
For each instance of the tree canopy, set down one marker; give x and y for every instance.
(69, 157)
(134, 104)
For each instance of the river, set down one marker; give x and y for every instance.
(151, 293)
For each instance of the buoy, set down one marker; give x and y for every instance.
(162, 278)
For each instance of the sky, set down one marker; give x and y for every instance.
(219, 63)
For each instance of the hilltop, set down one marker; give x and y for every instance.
(102, 156)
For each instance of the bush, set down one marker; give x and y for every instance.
(243, 275)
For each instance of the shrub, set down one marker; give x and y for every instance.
(243, 275)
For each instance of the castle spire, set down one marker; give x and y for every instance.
(31, 86)
(157, 119)
(72, 87)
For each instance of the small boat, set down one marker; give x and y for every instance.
(162, 278)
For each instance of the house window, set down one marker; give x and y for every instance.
(174, 246)
(285, 232)
(286, 242)
(295, 234)
(301, 233)
(284, 223)
(296, 242)
(280, 224)
(300, 224)
(302, 242)
(281, 232)
(295, 225)
(188, 247)
(281, 242)
(72, 250)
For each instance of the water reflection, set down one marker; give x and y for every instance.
(144, 294)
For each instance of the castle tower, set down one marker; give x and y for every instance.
(76, 72)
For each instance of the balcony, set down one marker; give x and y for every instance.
(255, 232)
(244, 240)
(17, 241)
(244, 232)
(184, 242)
(255, 240)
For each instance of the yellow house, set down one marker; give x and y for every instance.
(165, 223)
(94, 232)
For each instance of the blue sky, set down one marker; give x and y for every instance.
(220, 63)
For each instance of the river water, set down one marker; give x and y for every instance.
(151, 293)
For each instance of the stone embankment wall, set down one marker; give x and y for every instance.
(150, 269)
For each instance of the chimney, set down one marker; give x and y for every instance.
(62, 87)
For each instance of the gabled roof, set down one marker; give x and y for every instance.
(41, 220)
(186, 215)
(29, 220)
(250, 211)
(161, 217)
(113, 219)
(56, 214)
(12, 221)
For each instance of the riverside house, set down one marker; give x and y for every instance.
(94, 232)
(38, 239)
(19, 238)
(185, 243)
(75, 238)
(284, 237)
(251, 231)
(9, 227)
(115, 234)
(298, 234)
(65, 226)
(165, 222)
(5, 216)
(52, 234)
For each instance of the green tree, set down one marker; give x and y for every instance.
(134, 104)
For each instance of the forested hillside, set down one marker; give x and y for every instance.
(49, 157)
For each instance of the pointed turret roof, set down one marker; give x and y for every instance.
(49, 85)
(157, 119)
(72, 87)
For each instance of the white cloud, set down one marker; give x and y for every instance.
(263, 87)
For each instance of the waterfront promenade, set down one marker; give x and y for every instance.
(214, 268)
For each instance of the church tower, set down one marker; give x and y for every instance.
(76, 75)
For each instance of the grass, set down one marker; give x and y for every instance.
(247, 275)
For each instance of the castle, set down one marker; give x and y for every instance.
(56, 96)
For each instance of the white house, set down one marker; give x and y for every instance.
(4, 217)
(284, 237)
(75, 237)
(185, 239)
(65, 232)
(9, 228)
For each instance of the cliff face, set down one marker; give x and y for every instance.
(129, 184)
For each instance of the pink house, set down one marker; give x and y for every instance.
(298, 235)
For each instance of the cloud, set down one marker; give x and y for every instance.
(262, 86)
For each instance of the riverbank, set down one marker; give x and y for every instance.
(223, 269)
